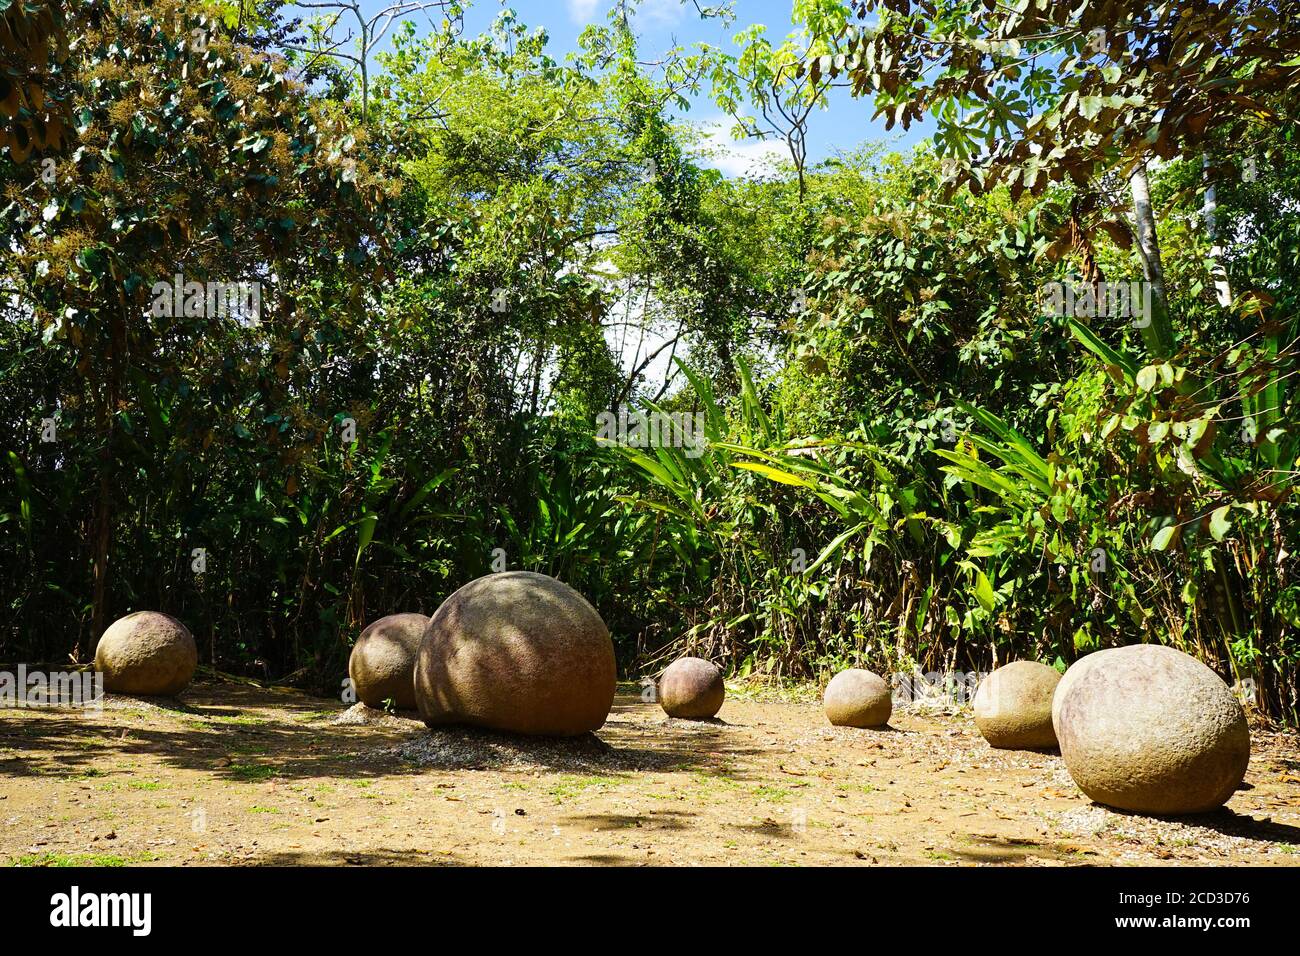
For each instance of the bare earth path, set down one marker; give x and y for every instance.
(243, 775)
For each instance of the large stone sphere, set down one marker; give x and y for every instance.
(1149, 729)
(857, 698)
(1013, 706)
(382, 665)
(147, 653)
(516, 651)
(1072, 674)
(692, 687)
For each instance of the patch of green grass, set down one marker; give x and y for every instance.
(859, 787)
(138, 712)
(253, 771)
(569, 786)
(83, 859)
(256, 809)
(715, 780)
(767, 690)
(239, 720)
(145, 785)
(940, 856)
(774, 794)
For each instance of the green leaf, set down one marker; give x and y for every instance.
(1163, 537)
(418, 498)
(984, 591)
(834, 546)
(368, 523)
(776, 474)
(1219, 523)
(1110, 356)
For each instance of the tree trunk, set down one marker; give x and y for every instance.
(1222, 290)
(103, 532)
(112, 388)
(1156, 331)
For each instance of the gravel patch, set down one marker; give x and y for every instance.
(359, 715)
(471, 748)
(151, 705)
(1221, 833)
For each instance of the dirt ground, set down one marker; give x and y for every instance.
(241, 775)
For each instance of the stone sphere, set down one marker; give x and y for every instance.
(382, 665)
(1072, 674)
(1148, 728)
(147, 653)
(691, 687)
(858, 698)
(519, 652)
(1013, 706)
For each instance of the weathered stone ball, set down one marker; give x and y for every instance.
(382, 665)
(692, 687)
(147, 653)
(1013, 706)
(1148, 728)
(1072, 674)
(857, 698)
(516, 651)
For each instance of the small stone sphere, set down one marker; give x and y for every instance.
(1013, 706)
(692, 687)
(147, 653)
(858, 698)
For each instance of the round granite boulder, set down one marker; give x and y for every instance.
(857, 698)
(516, 651)
(692, 687)
(147, 653)
(1148, 728)
(382, 665)
(1013, 706)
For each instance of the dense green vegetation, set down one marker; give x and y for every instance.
(469, 251)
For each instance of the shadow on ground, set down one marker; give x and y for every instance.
(1227, 822)
(241, 733)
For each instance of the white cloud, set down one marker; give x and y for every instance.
(662, 12)
(582, 11)
(654, 13)
(749, 157)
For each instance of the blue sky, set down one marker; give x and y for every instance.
(661, 23)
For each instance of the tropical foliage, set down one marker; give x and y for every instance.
(879, 445)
